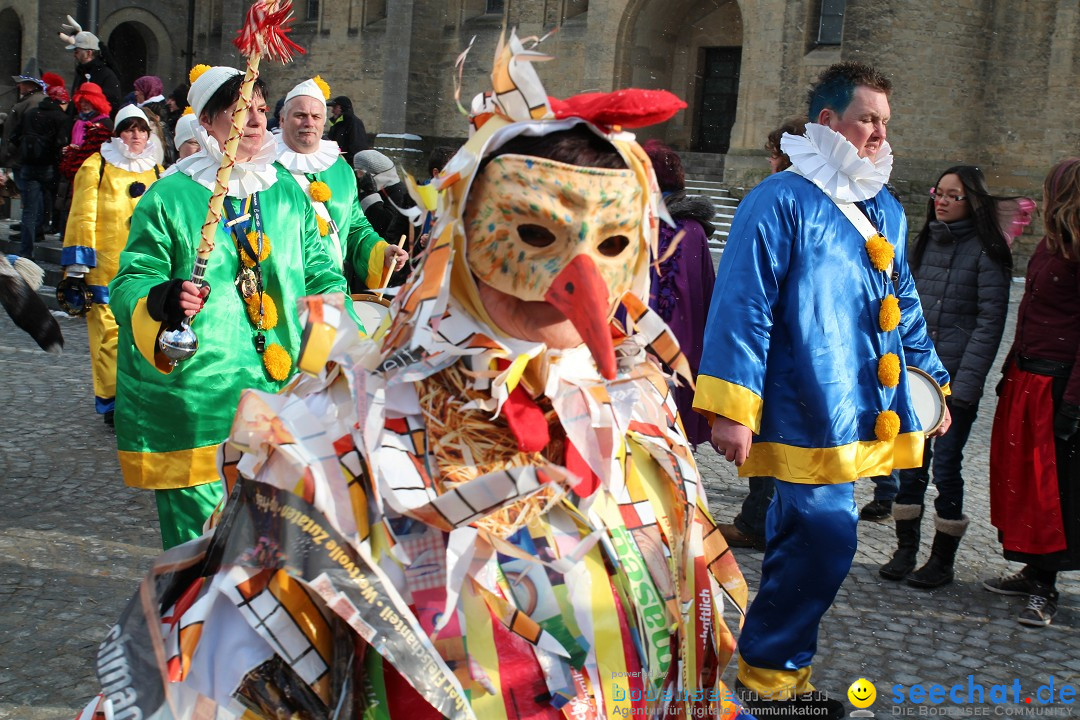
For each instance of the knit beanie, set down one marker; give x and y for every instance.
(208, 83)
(378, 165)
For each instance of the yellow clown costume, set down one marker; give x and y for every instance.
(458, 519)
(107, 188)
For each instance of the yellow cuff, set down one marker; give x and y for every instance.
(169, 470)
(735, 402)
(775, 684)
(376, 265)
(946, 389)
(145, 330)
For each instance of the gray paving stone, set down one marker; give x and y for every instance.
(74, 542)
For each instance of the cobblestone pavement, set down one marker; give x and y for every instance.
(74, 542)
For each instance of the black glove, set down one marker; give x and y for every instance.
(1066, 421)
(163, 303)
(365, 185)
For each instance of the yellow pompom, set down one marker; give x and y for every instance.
(277, 362)
(269, 311)
(324, 227)
(253, 241)
(887, 425)
(322, 86)
(888, 369)
(320, 191)
(880, 251)
(889, 314)
(188, 111)
(196, 73)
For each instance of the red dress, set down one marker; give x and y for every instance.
(1035, 477)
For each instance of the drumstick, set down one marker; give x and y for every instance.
(388, 272)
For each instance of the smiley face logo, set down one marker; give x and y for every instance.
(862, 693)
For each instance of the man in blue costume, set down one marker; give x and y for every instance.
(813, 320)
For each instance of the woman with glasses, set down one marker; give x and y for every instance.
(962, 267)
(1035, 447)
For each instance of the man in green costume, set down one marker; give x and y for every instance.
(318, 168)
(268, 254)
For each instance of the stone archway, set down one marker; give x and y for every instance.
(129, 47)
(693, 48)
(11, 59)
(140, 44)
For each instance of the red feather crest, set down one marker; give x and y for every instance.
(266, 33)
(630, 108)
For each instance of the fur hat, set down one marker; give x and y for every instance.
(53, 80)
(208, 83)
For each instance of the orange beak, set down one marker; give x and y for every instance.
(579, 293)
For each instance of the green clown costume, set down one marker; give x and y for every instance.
(330, 186)
(170, 420)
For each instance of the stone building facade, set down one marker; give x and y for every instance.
(978, 82)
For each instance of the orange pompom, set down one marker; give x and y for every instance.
(196, 73)
(269, 311)
(887, 425)
(889, 314)
(188, 111)
(880, 251)
(888, 369)
(324, 227)
(322, 86)
(277, 362)
(320, 191)
(253, 241)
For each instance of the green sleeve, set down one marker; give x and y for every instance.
(320, 273)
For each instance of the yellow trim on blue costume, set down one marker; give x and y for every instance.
(735, 402)
(841, 464)
(145, 331)
(169, 470)
(775, 684)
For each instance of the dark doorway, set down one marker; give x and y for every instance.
(719, 94)
(128, 47)
(10, 47)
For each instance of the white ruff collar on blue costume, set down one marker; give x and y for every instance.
(826, 158)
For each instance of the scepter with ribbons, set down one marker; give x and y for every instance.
(264, 34)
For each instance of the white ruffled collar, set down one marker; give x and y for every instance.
(826, 158)
(326, 155)
(246, 178)
(116, 153)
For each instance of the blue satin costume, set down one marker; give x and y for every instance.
(792, 350)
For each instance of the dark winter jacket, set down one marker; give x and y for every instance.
(965, 298)
(9, 151)
(96, 71)
(47, 128)
(348, 130)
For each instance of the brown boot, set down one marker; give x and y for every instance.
(736, 538)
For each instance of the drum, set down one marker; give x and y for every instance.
(926, 398)
(372, 311)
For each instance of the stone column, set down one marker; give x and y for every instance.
(395, 89)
